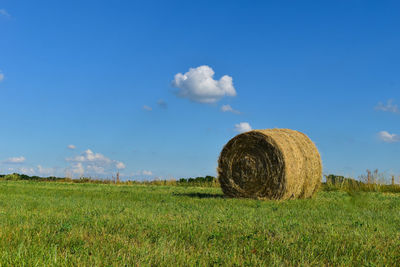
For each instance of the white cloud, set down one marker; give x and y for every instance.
(198, 85)
(162, 104)
(120, 165)
(26, 171)
(90, 156)
(147, 173)
(15, 160)
(23, 170)
(389, 107)
(242, 127)
(143, 172)
(71, 147)
(389, 138)
(1, 77)
(45, 171)
(78, 168)
(39, 170)
(90, 162)
(228, 108)
(147, 108)
(95, 169)
(4, 13)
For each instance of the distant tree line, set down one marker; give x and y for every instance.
(338, 179)
(17, 176)
(207, 179)
(24, 177)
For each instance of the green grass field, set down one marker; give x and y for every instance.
(44, 223)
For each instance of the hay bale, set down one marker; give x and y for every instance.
(270, 164)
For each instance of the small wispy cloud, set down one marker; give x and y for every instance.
(147, 172)
(242, 127)
(4, 13)
(388, 137)
(25, 170)
(120, 165)
(228, 108)
(15, 160)
(77, 168)
(388, 107)
(143, 173)
(72, 147)
(162, 104)
(147, 108)
(90, 162)
(1, 77)
(39, 170)
(45, 171)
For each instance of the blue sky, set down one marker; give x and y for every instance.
(93, 87)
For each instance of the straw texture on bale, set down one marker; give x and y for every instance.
(270, 164)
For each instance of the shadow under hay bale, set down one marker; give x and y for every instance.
(270, 164)
(199, 195)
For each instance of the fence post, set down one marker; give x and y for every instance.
(392, 179)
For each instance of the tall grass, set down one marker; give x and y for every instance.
(351, 186)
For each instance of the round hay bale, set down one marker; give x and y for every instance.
(270, 164)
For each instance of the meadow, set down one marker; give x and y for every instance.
(58, 224)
